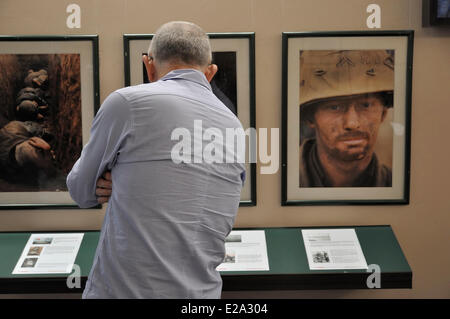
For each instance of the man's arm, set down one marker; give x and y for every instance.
(109, 129)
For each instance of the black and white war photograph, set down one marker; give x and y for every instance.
(321, 257)
(224, 82)
(40, 121)
(29, 262)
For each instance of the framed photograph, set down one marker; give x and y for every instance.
(49, 93)
(234, 83)
(346, 117)
(439, 12)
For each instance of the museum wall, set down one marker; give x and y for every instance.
(422, 227)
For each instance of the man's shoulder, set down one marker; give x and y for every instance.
(130, 91)
(142, 93)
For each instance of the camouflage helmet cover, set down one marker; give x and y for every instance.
(325, 74)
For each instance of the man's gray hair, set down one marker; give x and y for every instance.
(181, 42)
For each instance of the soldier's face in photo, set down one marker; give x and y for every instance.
(347, 128)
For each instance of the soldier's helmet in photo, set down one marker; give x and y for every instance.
(36, 78)
(327, 75)
(28, 111)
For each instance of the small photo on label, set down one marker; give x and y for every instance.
(321, 257)
(43, 241)
(230, 257)
(29, 262)
(35, 251)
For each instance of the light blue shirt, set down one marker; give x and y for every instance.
(165, 225)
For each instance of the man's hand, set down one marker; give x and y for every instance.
(39, 143)
(104, 187)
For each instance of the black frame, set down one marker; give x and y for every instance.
(235, 35)
(409, 34)
(96, 98)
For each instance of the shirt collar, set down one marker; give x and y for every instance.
(188, 75)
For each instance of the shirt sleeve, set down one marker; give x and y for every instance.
(109, 129)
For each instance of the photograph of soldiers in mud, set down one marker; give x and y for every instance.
(345, 106)
(40, 120)
(224, 83)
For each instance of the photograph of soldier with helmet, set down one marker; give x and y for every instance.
(346, 114)
(345, 97)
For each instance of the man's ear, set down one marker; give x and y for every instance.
(210, 71)
(150, 68)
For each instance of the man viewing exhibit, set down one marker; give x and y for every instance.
(344, 98)
(165, 225)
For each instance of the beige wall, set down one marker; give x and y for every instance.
(422, 227)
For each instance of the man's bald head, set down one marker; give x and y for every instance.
(180, 42)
